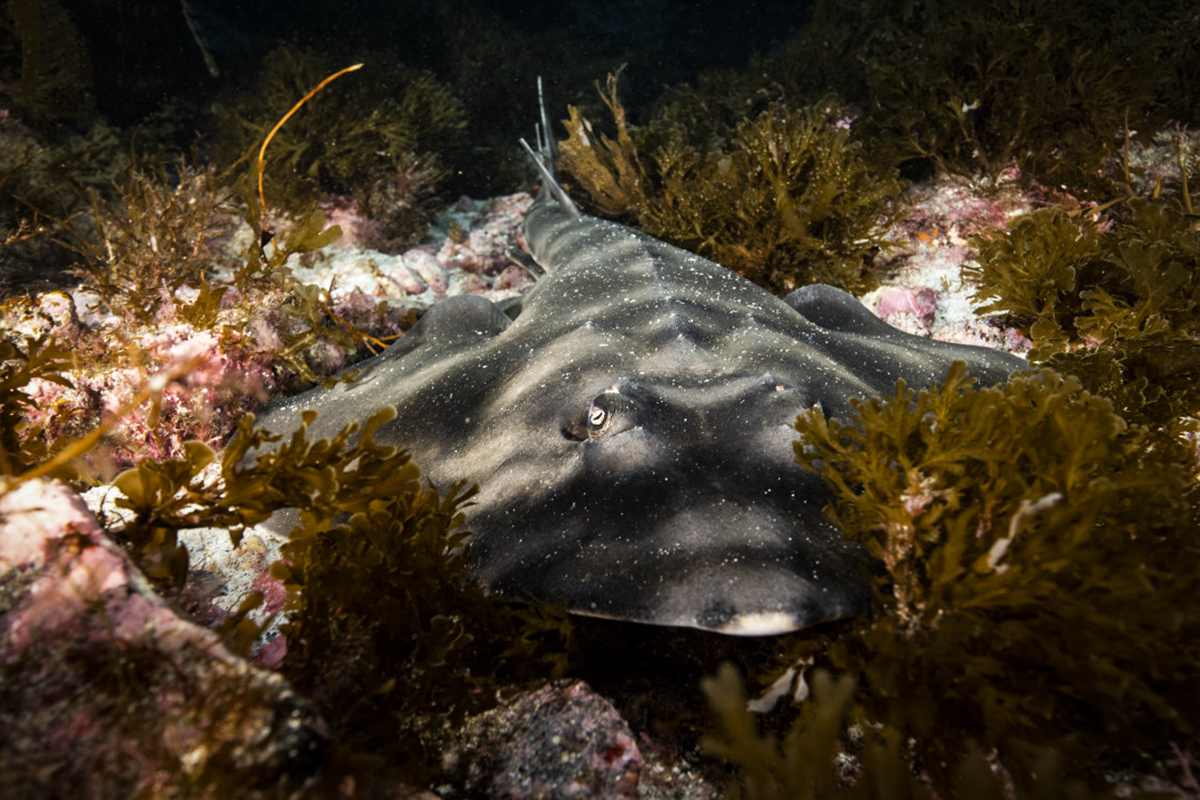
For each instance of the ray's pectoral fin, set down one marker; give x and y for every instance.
(836, 310)
(455, 321)
(917, 359)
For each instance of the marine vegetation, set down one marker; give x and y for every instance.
(31, 449)
(977, 88)
(832, 750)
(974, 89)
(1018, 83)
(161, 281)
(161, 257)
(788, 201)
(51, 66)
(161, 253)
(22, 444)
(384, 624)
(159, 236)
(1115, 301)
(41, 180)
(1036, 602)
(398, 127)
(162, 721)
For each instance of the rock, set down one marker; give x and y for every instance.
(429, 269)
(558, 741)
(106, 692)
(407, 279)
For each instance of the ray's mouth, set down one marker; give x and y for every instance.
(738, 565)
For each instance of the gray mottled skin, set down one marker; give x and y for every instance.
(683, 504)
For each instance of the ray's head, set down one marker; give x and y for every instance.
(674, 500)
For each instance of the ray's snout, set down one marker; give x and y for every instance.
(689, 509)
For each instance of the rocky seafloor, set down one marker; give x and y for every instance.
(109, 690)
(109, 686)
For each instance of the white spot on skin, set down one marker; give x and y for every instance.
(771, 623)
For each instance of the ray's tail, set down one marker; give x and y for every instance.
(544, 157)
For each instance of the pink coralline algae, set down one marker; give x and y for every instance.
(951, 208)
(108, 693)
(465, 253)
(492, 235)
(920, 302)
(922, 291)
(407, 279)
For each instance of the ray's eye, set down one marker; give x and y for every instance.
(609, 413)
(593, 423)
(597, 420)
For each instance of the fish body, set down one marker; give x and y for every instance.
(630, 424)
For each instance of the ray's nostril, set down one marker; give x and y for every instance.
(575, 432)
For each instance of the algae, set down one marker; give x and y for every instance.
(353, 143)
(155, 239)
(789, 201)
(1037, 592)
(978, 89)
(383, 622)
(1115, 301)
(54, 72)
(24, 446)
(831, 750)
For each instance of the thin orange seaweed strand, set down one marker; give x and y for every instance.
(263, 150)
